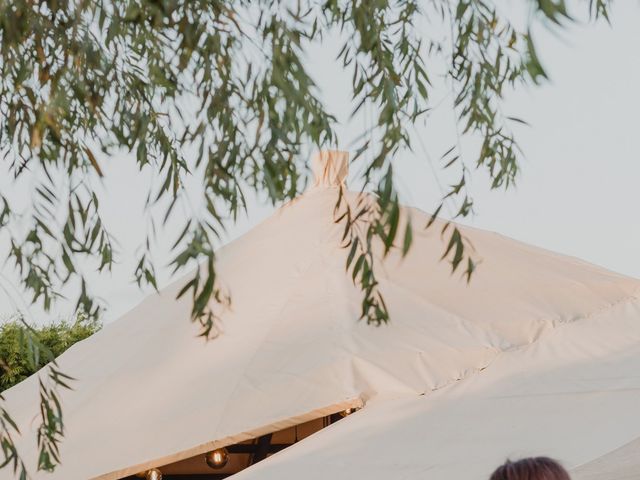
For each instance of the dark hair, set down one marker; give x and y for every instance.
(538, 468)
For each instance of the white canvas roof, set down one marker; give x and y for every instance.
(539, 354)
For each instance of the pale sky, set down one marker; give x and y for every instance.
(578, 192)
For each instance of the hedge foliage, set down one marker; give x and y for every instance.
(16, 364)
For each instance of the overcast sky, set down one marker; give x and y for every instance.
(578, 192)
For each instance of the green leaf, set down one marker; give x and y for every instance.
(408, 239)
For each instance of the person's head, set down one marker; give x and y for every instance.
(538, 468)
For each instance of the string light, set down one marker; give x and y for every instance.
(217, 459)
(348, 411)
(153, 474)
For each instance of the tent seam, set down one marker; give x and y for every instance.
(474, 371)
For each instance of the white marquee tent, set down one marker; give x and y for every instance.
(539, 354)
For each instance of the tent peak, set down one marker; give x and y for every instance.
(330, 168)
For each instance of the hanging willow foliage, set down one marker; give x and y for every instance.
(220, 87)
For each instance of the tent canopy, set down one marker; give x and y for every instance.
(538, 354)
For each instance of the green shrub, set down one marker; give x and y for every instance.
(24, 349)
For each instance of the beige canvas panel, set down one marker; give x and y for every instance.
(621, 464)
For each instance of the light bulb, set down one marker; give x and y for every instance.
(153, 474)
(348, 411)
(218, 458)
